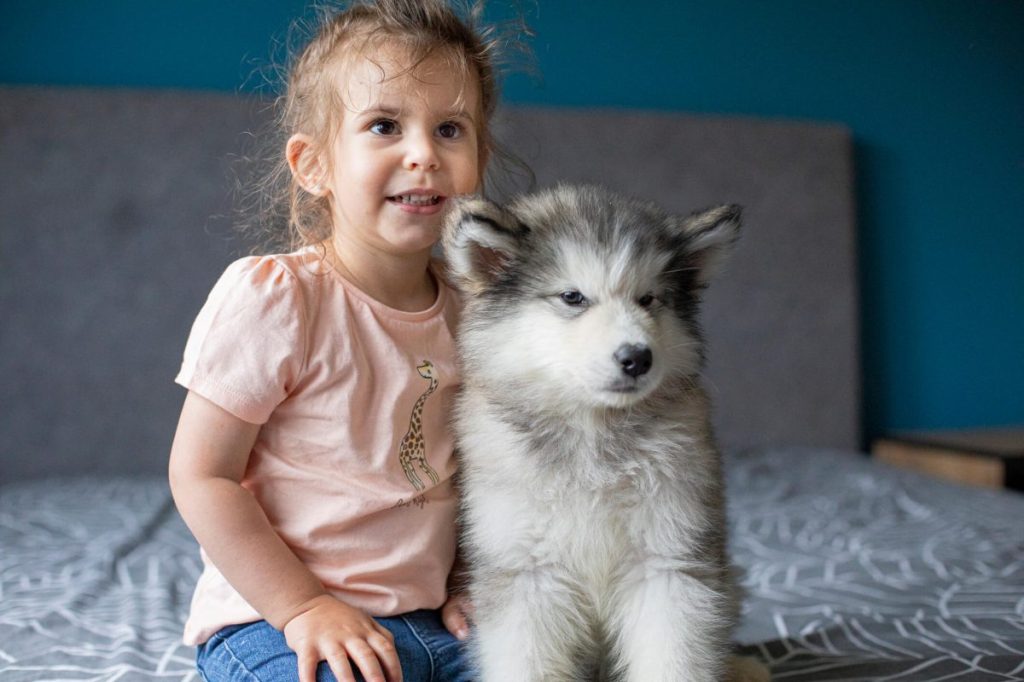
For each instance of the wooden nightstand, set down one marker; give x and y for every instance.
(993, 458)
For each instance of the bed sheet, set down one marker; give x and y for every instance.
(95, 581)
(859, 571)
(854, 571)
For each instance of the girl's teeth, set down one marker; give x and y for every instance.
(417, 199)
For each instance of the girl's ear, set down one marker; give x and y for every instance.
(481, 240)
(305, 164)
(709, 238)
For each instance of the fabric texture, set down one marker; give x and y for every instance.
(256, 652)
(353, 462)
(857, 571)
(854, 571)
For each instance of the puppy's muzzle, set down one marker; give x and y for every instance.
(635, 360)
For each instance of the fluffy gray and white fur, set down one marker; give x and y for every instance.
(593, 513)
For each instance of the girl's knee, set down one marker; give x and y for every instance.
(254, 652)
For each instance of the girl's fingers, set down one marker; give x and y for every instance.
(456, 614)
(384, 632)
(339, 665)
(307, 665)
(455, 620)
(384, 647)
(365, 658)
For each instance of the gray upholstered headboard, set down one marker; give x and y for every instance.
(115, 219)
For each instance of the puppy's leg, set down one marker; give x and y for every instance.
(671, 626)
(526, 629)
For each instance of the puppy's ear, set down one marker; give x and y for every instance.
(709, 238)
(480, 240)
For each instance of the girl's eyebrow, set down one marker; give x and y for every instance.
(381, 111)
(394, 112)
(460, 112)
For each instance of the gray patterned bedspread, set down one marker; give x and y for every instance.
(854, 572)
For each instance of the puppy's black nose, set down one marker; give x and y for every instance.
(634, 359)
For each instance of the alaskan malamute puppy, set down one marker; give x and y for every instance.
(594, 519)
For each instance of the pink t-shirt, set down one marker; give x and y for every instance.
(354, 460)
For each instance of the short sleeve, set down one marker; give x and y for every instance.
(247, 345)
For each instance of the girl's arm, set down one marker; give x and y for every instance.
(208, 460)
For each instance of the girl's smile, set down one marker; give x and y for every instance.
(423, 201)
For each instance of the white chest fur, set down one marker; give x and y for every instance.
(601, 546)
(584, 505)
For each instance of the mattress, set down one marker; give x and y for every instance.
(854, 571)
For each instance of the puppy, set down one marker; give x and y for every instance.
(593, 512)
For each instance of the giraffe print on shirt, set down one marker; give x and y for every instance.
(412, 449)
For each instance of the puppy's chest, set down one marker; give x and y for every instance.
(581, 500)
(585, 528)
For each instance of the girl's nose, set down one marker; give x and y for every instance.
(421, 154)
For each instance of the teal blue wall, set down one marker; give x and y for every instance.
(932, 89)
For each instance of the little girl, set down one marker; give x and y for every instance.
(312, 459)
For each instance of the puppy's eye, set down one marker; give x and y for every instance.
(573, 298)
(646, 301)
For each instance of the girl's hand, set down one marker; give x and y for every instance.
(456, 614)
(330, 630)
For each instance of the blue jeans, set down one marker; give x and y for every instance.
(256, 652)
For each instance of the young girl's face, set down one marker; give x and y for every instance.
(407, 145)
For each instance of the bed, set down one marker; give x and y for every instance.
(115, 219)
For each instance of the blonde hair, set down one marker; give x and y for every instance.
(288, 217)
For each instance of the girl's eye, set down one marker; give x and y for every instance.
(573, 298)
(646, 301)
(449, 130)
(384, 126)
